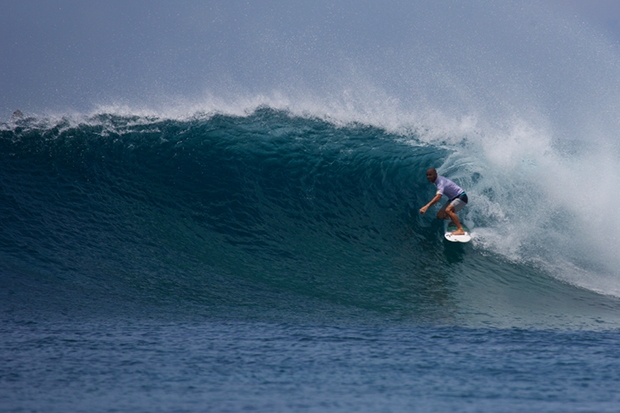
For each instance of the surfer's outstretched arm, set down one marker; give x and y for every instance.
(433, 201)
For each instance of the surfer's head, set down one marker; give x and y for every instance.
(431, 175)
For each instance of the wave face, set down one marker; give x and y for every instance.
(271, 214)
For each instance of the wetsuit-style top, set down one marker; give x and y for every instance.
(447, 187)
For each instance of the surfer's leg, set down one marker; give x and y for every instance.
(442, 212)
(455, 220)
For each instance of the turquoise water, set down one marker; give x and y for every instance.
(277, 262)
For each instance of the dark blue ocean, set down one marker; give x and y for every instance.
(275, 262)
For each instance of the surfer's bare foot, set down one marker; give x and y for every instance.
(458, 232)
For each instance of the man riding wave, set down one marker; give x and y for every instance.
(457, 199)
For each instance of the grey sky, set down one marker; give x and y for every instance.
(70, 55)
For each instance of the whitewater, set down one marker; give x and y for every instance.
(258, 245)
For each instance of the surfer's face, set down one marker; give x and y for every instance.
(431, 176)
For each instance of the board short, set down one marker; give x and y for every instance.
(459, 202)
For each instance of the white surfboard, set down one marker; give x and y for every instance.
(450, 227)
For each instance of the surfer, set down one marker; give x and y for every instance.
(457, 199)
